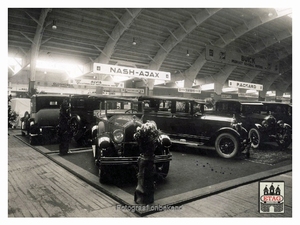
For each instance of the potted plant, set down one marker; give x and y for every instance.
(146, 136)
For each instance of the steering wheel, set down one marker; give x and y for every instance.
(131, 111)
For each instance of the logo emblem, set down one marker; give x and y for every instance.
(271, 197)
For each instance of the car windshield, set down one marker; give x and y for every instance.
(278, 109)
(120, 107)
(252, 108)
(228, 107)
(46, 103)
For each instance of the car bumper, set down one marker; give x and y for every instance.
(42, 131)
(132, 160)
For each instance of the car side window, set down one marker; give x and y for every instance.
(164, 106)
(198, 108)
(183, 107)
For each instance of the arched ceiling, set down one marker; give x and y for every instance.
(163, 37)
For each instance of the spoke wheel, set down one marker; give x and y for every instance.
(226, 145)
(254, 136)
(75, 127)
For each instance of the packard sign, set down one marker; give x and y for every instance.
(245, 85)
(130, 72)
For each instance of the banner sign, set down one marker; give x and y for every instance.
(20, 88)
(133, 90)
(245, 85)
(226, 96)
(221, 55)
(91, 82)
(130, 72)
(189, 90)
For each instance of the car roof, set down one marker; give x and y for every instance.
(170, 98)
(276, 103)
(105, 97)
(50, 95)
(250, 102)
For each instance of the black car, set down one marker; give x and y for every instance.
(83, 109)
(261, 125)
(40, 124)
(281, 111)
(113, 139)
(186, 122)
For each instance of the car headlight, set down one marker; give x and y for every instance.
(118, 136)
(103, 142)
(165, 140)
(265, 123)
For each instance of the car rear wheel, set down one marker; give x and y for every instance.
(255, 137)
(226, 145)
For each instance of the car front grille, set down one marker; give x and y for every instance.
(129, 131)
(130, 145)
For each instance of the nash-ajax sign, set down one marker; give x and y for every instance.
(130, 72)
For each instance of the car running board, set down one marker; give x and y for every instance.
(192, 144)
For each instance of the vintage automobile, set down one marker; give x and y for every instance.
(82, 115)
(262, 127)
(185, 121)
(41, 123)
(113, 142)
(280, 110)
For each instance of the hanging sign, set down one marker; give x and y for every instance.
(130, 72)
(221, 55)
(189, 90)
(245, 85)
(133, 90)
(91, 82)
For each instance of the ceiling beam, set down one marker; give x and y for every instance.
(178, 35)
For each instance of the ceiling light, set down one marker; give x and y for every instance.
(54, 27)
(133, 42)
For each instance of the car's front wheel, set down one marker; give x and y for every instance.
(226, 145)
(75, 128)
(33, 140)
(103, 175)
(255, 138)
(162, 169)
(285, 140)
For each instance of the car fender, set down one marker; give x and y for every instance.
(226, 129)
(258, 126)
(286, 125)
(76, 117)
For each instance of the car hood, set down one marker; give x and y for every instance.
(218, 118)
(47, 117)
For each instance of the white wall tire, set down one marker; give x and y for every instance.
(255, 138)
(227, 145)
